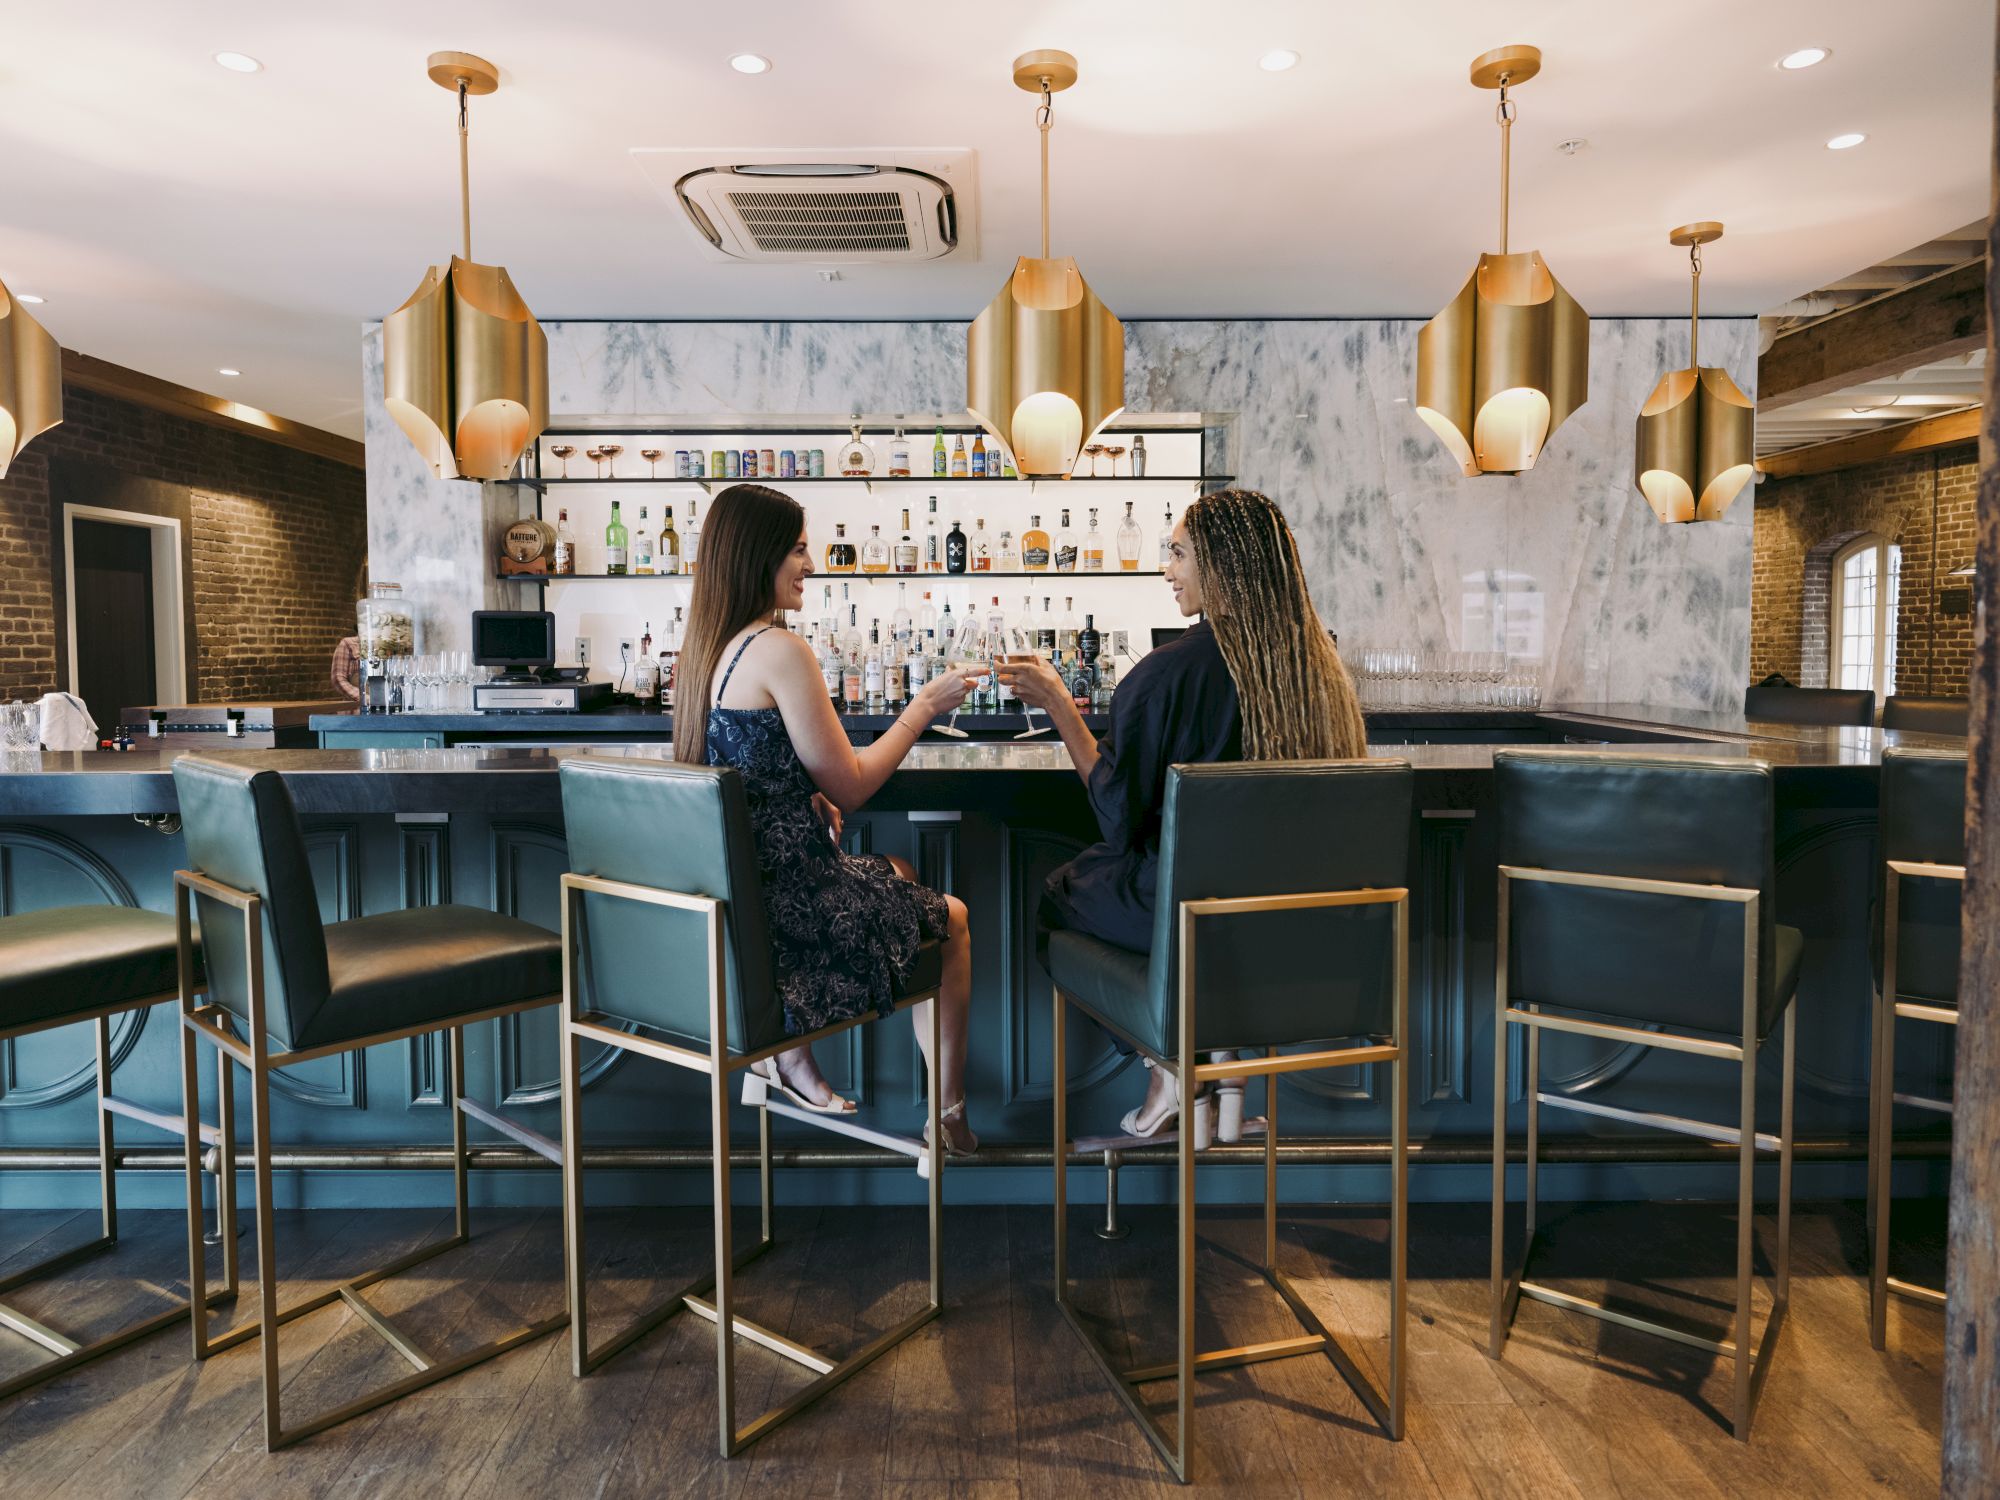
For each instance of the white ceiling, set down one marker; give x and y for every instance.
(180, 218)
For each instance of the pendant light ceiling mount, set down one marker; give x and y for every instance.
(1695, 446)
(1508, 359)
(1045, 362)
(465, 364)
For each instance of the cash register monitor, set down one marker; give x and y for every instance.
(521, 642)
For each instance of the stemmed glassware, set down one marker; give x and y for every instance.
(1114, 451)
(596, 456)
(1091, 450)
(562, 451)
(611, 452)
(653, 457)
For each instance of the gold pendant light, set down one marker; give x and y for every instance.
(1696, 445)
(1045, 362)
(30, 379)
(1509, 358)
(465, 364)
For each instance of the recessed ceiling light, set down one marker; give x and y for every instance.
(1842, 142)
(1805, 57)
(1278, 59)
(239, 62)
(750, 62)
(226, 371)
(30, 298)
(1573, 145)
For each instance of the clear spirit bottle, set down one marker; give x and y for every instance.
(1128, 542)
(934, 542)
(899, 456)
(642, 550)
(1167, 539)
(693, 544)
(979, 552)
(1093, 546)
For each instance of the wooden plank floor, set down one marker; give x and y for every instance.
(997, 1399)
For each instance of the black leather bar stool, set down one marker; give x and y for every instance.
(1927, 715)
(1916, 942)
(664, 932)
(1281, 920)
(1636, 900)
(1784, 704)
(284, 989)
(62, 967)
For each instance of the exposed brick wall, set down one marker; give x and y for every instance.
(277, 541)
(1923, 503)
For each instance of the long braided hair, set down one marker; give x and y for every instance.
(1296, 698)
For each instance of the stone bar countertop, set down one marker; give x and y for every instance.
(938, 774)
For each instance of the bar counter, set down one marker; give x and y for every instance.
(392, 826)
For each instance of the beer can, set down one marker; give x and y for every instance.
(733, 464)
(818, 464)
(767, 464)
(683, 467)
(716, 465)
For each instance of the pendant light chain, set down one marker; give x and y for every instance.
(1503, 113)
(1694, 313)
(464, 173)
(1044, 118)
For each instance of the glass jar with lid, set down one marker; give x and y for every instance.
(385, 628)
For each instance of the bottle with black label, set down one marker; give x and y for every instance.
(1089, 643)
(1066, 548)
(954, 550)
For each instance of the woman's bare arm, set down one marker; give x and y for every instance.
(848, 777)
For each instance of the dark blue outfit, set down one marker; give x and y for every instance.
(845, 928)
(1178, 705)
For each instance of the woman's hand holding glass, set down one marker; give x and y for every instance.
(942, 695)
(1033, 681)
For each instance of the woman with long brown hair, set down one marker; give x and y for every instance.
(1257, 678)
(845, 928)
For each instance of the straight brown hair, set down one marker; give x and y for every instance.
(1296, 698)
(748, 535)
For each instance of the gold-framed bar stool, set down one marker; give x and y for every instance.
(666, 953)
(63, 966)
(1916, 941)
(1636, 906)
(1281, 920)
(285, 989)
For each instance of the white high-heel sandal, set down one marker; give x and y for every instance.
(1142, 1127)
(764, 1076)
(949, 1113)
(1228, 1103)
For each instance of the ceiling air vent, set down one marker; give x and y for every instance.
(832, 208)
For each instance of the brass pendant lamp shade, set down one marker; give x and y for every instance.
(1509, 357)
(1045, 362)
(465, 364)
(30, 380)
(1696, 444)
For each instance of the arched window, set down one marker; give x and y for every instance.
(1865, 575)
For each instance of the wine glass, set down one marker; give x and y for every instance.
(1091, 450)
(653, 457)
(562, 451)
(1114, 451)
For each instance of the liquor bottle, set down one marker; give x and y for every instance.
(895, 675)
(850, 664)
(906, 549)
(642, 549)
(958, 459)
(828, 621)
(1139, 456)
(1067, 629)
(979, 455)
(917, 663)
(996, 644)
(857, 459)
(832, 669)
(1093, 546)
(1034, 547)
(565, 544)
(954, 550)
(1065, 545)
(1029, 628)
(614, 544)
(871, 668)
(947, 626)
(936, 648)
(1167, 538)
(1128, 542)
(899, 456)
(1045, 630)
(933, 542)
(666, 682)
(693, 543)
(670, 673)
(1089, 643)
(840, 551)
(926, 621)
(645, 648)
(874, 552)
(979, 551)
(667, 554)
(1008, 558)
(939, 467)
(902, 622)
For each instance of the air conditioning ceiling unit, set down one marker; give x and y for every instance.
(819, 206)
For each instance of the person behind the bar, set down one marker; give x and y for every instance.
(1257, 679)
(844, 928)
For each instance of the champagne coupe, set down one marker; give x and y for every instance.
(1028, 711)
(562, 451)
(966, 659)
(1113, 451)
(1091, 450)
(611, 452)
(596, 456)
(653, 457)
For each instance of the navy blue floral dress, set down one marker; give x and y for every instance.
(845, 928)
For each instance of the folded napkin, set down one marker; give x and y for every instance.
(66, 723)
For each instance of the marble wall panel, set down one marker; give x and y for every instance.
(1563, 566)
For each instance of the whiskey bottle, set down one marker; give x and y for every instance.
(1065, 546)
(693, 543)
(857, 459)
(874, 552)
(899, 456)
(840, 551)
(642, 551)
(1034, 547)
(667, 554)
(1093, 546)
(906, 549)
(979, 551)
(1128, 542)
(614, 544)
(565, 560)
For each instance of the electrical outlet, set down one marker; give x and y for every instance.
(583, 651)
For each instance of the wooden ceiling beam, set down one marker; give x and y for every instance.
(107, 379)
(1872, 447)
(1929, 320)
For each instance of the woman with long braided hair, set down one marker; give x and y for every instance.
(1257, 678)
